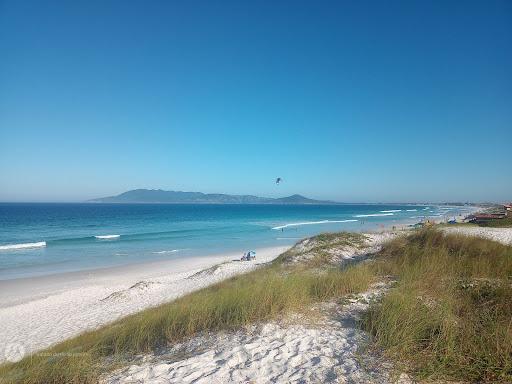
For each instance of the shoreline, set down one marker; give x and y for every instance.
(123, 273)
(57, 307)
(338, 338)
(39, 254)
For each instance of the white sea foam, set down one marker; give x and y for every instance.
(376, 214)
(169, 251)
(7, 247)
(392, 211)
(107, 237)
(312, 223)
(411, 210)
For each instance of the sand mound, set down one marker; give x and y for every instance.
(295, 350)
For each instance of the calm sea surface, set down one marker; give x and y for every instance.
(42, 239)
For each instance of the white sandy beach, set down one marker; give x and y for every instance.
(36, 313)
(39, 312)
(291, 350)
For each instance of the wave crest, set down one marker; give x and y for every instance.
(375, 214)
(312, 223)
(169, 251)
(107, 237)
(39, 244)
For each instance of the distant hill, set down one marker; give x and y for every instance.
(177, 197)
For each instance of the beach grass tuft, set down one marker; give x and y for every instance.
(450, 315)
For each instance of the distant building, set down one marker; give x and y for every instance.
(508, 209)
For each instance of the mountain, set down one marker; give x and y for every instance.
(178, 197)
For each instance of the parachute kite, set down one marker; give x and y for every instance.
(278, 180)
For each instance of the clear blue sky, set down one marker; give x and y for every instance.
(352, 101)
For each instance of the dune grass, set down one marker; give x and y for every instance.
(506, 222)
(450, 315)
(260, 295)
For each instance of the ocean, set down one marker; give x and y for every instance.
(39, 239)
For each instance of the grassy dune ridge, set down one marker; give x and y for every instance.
(259, 295)
(449, 315)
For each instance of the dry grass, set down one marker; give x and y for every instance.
(450, 315)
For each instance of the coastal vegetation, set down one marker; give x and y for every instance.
(506, 222)
(447, 316)
(261, 295)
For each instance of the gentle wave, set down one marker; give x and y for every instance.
(411, 210)
(392, 211)
(169, 251)
(107, 237)
(375, 214)
(95, 238)
(39, 244)
(312, 223)
(124, 237)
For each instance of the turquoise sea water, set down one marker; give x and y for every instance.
(42, 239)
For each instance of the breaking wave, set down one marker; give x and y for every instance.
(39, 244)
(169, 251)
(375, 214)
(312, 223)
(107, 237)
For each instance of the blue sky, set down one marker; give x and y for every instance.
(351, 101)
